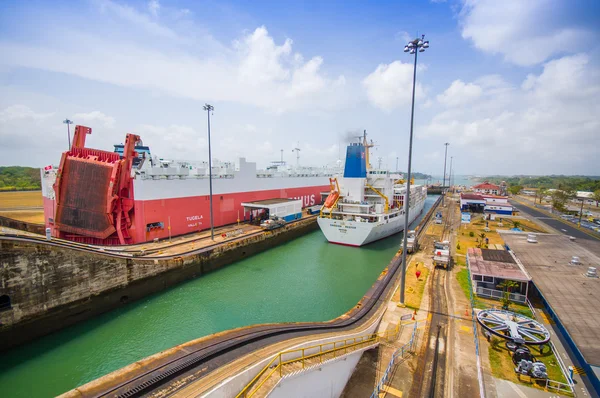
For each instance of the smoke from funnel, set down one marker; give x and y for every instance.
(351, 136)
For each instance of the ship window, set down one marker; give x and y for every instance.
(477, 277)
(5, 303)
(488, 279)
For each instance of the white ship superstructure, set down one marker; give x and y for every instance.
(367, 204)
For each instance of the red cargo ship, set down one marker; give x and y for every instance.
(129, 196)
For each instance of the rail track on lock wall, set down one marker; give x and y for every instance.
(120, 252)
(206, 356)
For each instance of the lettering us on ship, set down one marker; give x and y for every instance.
(307, 200)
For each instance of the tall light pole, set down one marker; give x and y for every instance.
(397, 164)
(209, 109)
(68, 123)
(445, 162)
(413, 47)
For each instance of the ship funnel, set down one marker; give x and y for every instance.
(356, 163)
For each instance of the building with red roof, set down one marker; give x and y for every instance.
(487, 188)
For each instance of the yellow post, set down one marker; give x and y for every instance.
(303, 358)
(280, 371)
(321, 353)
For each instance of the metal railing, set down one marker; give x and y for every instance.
(553, 384)
(498, 294)
(320, 351)
(398, 354)
(558, 386)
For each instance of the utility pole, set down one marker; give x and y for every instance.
(413, 47)
(68, 123)
(209, 109)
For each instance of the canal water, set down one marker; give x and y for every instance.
(306, 279)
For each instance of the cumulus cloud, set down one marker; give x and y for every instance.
(524, 32)
(153, 7)
(547, 125)
(94, 118)
(459, 93)
(21, 112)
(253, 70)
(390, 85)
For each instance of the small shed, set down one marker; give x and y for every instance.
(489, 268)
(287, 209)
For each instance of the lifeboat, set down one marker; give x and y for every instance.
(330, 201)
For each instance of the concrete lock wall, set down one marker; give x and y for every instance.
(51, 287)
(233, 385)
(326, 380)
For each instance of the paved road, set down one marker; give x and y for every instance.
(552, 222)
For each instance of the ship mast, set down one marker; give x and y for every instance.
(367, 145)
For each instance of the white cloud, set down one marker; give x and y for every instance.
(261, 58)
(548, 125)
(21, 112)
(255, 70)
(524, 32)
(390, 85)
(153, 7)
(94, 118)
(459, 93)
(404, 37)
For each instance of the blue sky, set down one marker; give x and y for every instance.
(513, 86)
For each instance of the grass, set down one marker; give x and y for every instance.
(414, 287)
(10, 200)
(503, 367)
(30, 216)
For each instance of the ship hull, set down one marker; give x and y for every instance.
(184, 215)
(355, 233)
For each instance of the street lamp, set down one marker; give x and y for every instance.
(445, 162)
(68, 123)
(209, 109)
(414, 46)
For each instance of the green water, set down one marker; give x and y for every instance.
(307, 279)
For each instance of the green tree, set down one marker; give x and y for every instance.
(560, 199)
(482, 240)
(515, 189)
(597, 196)
(542, 193)
(507, 286)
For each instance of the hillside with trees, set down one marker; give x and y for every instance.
(17, 178)
(575, 183)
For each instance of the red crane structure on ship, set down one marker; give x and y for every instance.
(94, 193)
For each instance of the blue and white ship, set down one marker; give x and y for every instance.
(367, 204)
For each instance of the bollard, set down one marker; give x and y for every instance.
(571, 374)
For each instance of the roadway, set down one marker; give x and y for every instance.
(561, 226)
